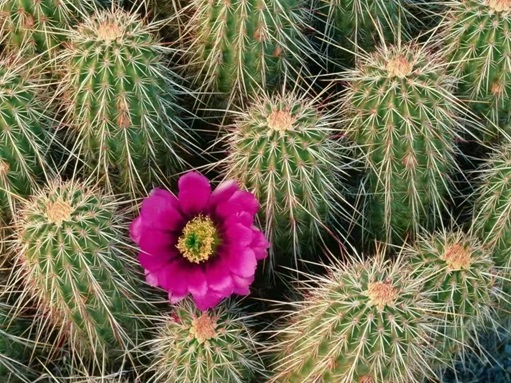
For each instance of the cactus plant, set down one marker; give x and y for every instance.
(492, 207)
(120, 103)
(69, 258)
(364, 322)
(478, 58)
(24, 138)
(353, 25)
(283, 149)
(459, 276)
(402, 113)
(38, 26)
(239, 47)
(191, 346)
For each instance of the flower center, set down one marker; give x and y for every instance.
(382, 294)
(499, 5)
(199, 239)
(399, 67)
(58, 211)
(457, 257)
(204, 328)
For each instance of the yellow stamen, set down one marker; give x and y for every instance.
(204, 328)
(58, 211)
(199, 240)
(382, 294)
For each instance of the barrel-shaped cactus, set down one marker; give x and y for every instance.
(239, 47)
(460, 278)
(284, 149)
(191, 346)
(70, 261)
(38, 26)
(120, 100)
(24, 138)
(364, 322)
(478, 58)
(403, 115)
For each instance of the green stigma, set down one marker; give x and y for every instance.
(199, 240)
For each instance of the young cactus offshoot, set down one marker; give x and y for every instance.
(284, 150)
(120, 103)
(191, 346)
(69, 260)
(364, 322)
(403, 116)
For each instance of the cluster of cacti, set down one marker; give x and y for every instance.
(153, 154)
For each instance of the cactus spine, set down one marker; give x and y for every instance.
(282, 150)
(120, 103)
(202, 347)
(24, 139)
(480, 59)
(238, 47)
(38, 26)
(68, 253)
(403, 115)
(459, 277)
(364, 322)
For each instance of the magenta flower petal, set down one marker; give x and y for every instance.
(222, 258)
(223, 192)
(176, 298)
(241, 201)
(208, 300)
(239, 234)
(219, 278)
(242, 262)
(136, 230)
(259, 244)
(194, 192)
(242, 285)
(160, 211)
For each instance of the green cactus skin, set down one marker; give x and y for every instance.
(24, 137)
(492, 207)
(239, 47)
(363, 323)
(191, 346)
(480, 58)
(120, 103)
(355, 25)
(38, 26)
(460, 278)
(401, 112)
(281, 149)
(69, 258)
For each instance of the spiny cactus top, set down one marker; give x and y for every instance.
(24, 137)
(194, 347)
(238, 47)
(68, 253)
(364, 322)
(200, 242)
(120, 102)
(402, 113)
(459, 276)
(284, 150)
(492, 208)
(476, 39)
(38, 26)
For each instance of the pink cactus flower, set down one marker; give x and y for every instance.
(202, 242)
